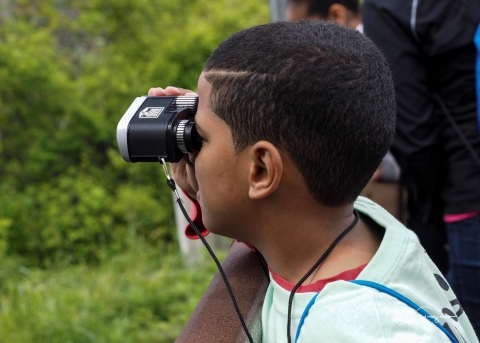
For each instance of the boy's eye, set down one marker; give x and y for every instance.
(199, 139)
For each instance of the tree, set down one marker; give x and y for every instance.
(69, 70)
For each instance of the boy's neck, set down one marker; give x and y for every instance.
(295, 240)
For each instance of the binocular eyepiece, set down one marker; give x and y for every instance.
(156, 127)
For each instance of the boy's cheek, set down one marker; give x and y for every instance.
(192, 178)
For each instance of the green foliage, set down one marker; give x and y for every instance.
(134, 297)
(69, 70)
(85, 238)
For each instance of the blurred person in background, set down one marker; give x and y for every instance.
(344, 12)
(430, 47)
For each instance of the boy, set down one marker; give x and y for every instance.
(295, 118)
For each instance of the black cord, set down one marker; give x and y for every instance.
(171, 184)
(315, 266)
(263, 263)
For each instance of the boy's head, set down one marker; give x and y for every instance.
(319, 92)
(345, 12)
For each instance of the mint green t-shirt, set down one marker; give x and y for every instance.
(347, 312)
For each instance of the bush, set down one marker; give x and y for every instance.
(134, 297)
(69, 70)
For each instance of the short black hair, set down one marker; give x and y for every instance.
(321, 7)
(319, 91)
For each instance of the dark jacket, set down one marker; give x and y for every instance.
(429, 45)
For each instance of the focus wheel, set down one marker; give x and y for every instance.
(180, 135)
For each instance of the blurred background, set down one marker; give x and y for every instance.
(88, 246)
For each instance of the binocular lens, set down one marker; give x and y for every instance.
(187, 137)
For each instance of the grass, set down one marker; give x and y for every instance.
(142, 295)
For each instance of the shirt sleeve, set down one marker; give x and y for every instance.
(391, 25)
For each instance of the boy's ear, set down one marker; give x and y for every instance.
(266, 169)
(338, 14)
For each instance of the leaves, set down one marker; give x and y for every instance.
(69, 69)
(132, 297)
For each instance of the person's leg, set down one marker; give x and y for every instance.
(464, 269)
(432, 236)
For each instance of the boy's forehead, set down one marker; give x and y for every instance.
(204, 87)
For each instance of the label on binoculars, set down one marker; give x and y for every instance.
(151, 112)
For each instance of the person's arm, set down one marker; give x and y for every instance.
(392, 26)
(214, 319)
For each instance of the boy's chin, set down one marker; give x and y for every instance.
(220, 232)
(220, 229)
